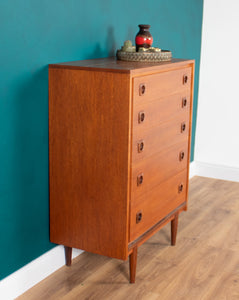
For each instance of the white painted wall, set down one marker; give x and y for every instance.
(217, 131)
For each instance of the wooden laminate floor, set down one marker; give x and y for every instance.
(204, 264)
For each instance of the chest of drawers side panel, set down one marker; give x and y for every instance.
(89, 138)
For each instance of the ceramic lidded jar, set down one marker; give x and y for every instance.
(143, 38)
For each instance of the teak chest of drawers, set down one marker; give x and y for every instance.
(119, 145)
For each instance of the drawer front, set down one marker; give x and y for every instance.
(154, 113)
(151, 87)
(157, 203)
(150, 141)
(150, 172)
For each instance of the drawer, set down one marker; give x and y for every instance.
(150, 87)
(157, 203)
(150, 172)
(150, 141)
(154, 113)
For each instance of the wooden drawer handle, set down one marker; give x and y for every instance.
(142, 89)
(139, 216)
(140, 146)
(181, 155)
(183, 127)
(141, 117)
(140, 179)
(180, 188)
(184, 102)
(185, 79)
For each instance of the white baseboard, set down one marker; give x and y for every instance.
(23, 279)
(192, 169)
(20, 281)
(215, 171)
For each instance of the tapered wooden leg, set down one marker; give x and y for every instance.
(132, 264)
(174, 228)
(68, 253)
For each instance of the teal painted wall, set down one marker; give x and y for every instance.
(32, 35)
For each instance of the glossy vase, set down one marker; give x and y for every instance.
(143, 38)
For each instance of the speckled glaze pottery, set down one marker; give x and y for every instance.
(143, 38)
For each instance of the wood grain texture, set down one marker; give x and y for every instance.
(203, 265)
(161, 85)
(174, 229)
(155, 228)
(190, 123)
(133, 264)
(89, 161)
(159, 138)
(68, 255)
(160, 110)
(111, 64)
(162, 165)
(113, 179)
(157, 203)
